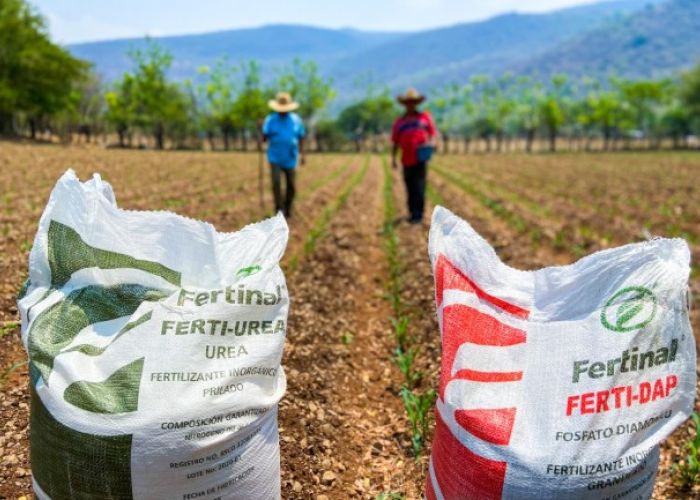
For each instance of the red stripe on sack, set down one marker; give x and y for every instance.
(447, 276)
(494, 426)
(476, 376)
(462, 474)
(462, 324)
(429, 490)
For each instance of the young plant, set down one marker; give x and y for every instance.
(400, 325)
(8, 327)
(418, 407)
(688, 470)
(391, 495)
(405, 359)
(346, 338)
(5, 374)
(394, 298)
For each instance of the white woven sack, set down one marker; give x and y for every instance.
(154, 348)
(558, 383)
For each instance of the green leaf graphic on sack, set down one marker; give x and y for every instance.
(248, 271)
(629, 309)
(55, 329)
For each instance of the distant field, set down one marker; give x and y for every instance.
(342, 413)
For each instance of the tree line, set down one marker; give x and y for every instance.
(45, 91)
(227, 101)
(585, 113)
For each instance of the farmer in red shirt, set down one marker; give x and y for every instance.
(414, 134)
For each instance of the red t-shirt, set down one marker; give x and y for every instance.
(410, 132)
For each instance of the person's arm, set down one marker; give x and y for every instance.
(432, 131)
(302, 154)
(264, 128)
(301, 134)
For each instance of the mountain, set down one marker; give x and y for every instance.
(272, 45)
(628, 37)
(493, 46)
(650, 43)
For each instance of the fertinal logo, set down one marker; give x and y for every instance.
(629, 309)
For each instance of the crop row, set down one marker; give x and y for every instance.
(417, 403)
(320, 226)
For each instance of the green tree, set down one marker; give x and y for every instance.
(527, 109)
(373, 115)
(677, 123)
(608, 112)
(689, 94)
(501, 106)
(304, 82)
(250, 106)
(37, 77)
(484, 120)
(157, 103)
(644, 99)
(444, 106)
(120, 107)
(466, 113)
(219, 96)
(90, 107)
(181, 121)
(551, 109)
(329, 135)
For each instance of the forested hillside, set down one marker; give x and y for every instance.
(653, 42)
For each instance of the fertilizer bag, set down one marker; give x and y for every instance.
(562, 382)
(154, 348)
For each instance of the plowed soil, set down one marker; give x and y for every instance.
(343, 429)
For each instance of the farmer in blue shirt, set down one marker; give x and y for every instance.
(284, 132)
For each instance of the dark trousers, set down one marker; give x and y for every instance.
(283, 203)
(415, 179)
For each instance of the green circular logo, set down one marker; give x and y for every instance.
(629, 309)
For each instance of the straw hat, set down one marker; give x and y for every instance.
(283, 103)
(411, 95)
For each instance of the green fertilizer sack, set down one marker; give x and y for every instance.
(154, 348)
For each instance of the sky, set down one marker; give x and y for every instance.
(72, 21)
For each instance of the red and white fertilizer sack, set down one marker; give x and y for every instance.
(562, 382)
(154, 348)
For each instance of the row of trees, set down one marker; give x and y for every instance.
(44, 88)
(585, 112)
(228, 101)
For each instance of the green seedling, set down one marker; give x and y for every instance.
(688, 470)
(405, 360)
(400, 325)
(321, 224)
(5, 374)
(390, 495)
(7, 328)
(346, 338)
(418, 407)
(560, 240)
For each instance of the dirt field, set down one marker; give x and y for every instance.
(344, 431)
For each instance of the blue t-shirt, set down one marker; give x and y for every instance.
(283, 133)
